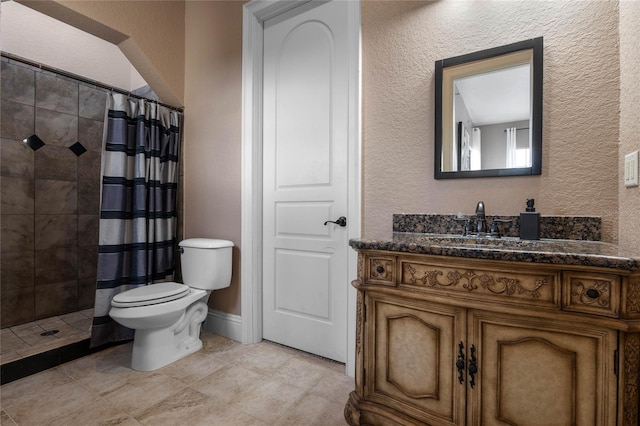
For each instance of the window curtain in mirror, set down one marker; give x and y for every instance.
(476, 149)
(511, 147)
(138, 211)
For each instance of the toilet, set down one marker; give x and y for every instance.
(167, 316)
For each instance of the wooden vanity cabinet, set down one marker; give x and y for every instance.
(541, 374)
(414, 347)
(453, 341)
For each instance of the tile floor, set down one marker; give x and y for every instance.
(224, 384)
(24, 340)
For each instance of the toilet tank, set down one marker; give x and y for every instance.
(206, 263)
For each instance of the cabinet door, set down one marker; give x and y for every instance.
(533, 372)
(410, 362)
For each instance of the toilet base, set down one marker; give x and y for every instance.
(156, 348)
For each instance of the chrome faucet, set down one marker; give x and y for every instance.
(481, 225)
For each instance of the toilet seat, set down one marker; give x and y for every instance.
(150, 295)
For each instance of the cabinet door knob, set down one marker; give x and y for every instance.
(473, 367)
(380, 269)
(460, 362)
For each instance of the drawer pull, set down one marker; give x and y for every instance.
(592, 293)
(380, 269)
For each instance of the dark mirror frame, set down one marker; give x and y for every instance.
(536, 119)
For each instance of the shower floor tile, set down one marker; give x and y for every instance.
(24, 340)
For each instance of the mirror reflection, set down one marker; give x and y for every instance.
(492, 112)
(488, 112)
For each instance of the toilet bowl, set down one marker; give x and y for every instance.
(167, 316)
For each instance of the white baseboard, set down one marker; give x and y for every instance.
(224, 324)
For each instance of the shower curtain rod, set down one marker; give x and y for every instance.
(83, 79)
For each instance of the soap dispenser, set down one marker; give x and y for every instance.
(530, 222)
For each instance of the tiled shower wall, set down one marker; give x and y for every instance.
(50, 192)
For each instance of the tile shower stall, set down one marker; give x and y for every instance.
(51, 136)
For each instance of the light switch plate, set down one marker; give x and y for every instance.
(631, 169)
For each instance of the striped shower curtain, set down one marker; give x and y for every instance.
(138, 205)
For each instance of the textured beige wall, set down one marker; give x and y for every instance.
(629, 121)
(401, 42)
(213, 97)
(149, 33)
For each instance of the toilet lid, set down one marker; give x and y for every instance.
(150, 294)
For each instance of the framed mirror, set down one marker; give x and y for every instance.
(488, 118)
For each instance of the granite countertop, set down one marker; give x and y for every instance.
(551, 251)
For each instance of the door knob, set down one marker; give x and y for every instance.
(342, 221)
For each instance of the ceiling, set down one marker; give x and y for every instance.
(501, 96)
(32, 35)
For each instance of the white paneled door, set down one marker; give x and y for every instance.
(305, 178)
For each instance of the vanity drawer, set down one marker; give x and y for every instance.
(479, 280)
(380, 270)
(591, 293)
